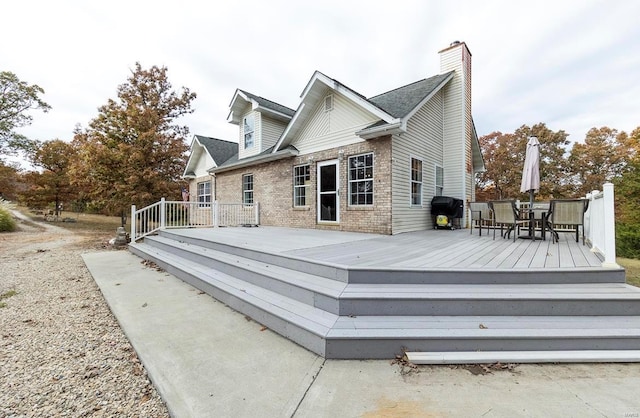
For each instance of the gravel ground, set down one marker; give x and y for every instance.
(62, 352)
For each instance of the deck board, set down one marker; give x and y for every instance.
(438, 249)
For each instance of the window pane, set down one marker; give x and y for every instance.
(301, 177)
(360, 179)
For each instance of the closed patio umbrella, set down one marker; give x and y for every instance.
(531, 172)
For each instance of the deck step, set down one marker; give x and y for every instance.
(314, 290)
(377, 336)
(357, 312)
(327, 270)
(482, 299)
(295, 320)
(567, 356)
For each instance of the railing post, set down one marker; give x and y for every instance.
(162, 213)
(609, 227)
(133, 223)
(257, 213)
(215, 212)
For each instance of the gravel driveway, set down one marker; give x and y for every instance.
(62, 352)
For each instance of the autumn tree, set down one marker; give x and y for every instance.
(9, 180)
(504, 156)
(133, 152)
(53, 183)
(600, 159)
(17, 98)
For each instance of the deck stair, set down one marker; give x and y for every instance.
(346, 312)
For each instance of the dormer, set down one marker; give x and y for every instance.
(260, 122)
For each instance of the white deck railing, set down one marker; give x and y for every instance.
(178, 214)
(599, 224)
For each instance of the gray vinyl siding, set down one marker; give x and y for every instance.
(271, 130)
(334, 128)
(453, 135)
(423, 140)
(256, 149)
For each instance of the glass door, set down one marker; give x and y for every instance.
(328, 196)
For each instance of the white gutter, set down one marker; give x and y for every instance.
(259, 159)
(376, 131)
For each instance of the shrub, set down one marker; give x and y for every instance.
(628, 241)
(7, 223)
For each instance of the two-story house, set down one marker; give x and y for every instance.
(344, 161)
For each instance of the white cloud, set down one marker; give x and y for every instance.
(570, 64)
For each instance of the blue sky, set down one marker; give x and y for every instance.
(571, 64)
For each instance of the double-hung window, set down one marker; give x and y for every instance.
(204, 194)
(439, 180)
(416, 182)
(361, 180)
(247, 189)
(301, 178)
(249, 123)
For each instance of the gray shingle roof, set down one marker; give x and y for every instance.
(269, 104)
(399, 102)
(219, 149)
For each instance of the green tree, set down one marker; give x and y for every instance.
(134, 151)
(53, 184)
(17, 98)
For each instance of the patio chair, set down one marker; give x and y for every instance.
(480, 214)
(506, 214)
(566, 213)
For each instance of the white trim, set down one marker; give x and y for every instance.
(349, 181)
(435, 179)
(337, 191)
(411, 204)
(377, 131)
(305, 186)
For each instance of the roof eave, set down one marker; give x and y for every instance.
(258, 159)
(377, 131)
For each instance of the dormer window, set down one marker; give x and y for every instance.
(249, 128)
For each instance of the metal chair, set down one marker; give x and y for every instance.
(566, 212)
(505, 213)
(480, 214)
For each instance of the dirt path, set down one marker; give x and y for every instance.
(62, 352)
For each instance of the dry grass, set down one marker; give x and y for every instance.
(633, 270)
(83, 222)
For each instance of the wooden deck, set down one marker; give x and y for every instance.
(355, 295)
(429, 249)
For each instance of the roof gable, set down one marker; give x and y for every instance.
(218, 151)
(315, 91)
(242, 99)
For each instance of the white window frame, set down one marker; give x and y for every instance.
(248, 131)
(439, 187)
(354, 183)
(301, 190)
(247, 192)
(417, 182)
(204, 198)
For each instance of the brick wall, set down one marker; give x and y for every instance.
(273, 189)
